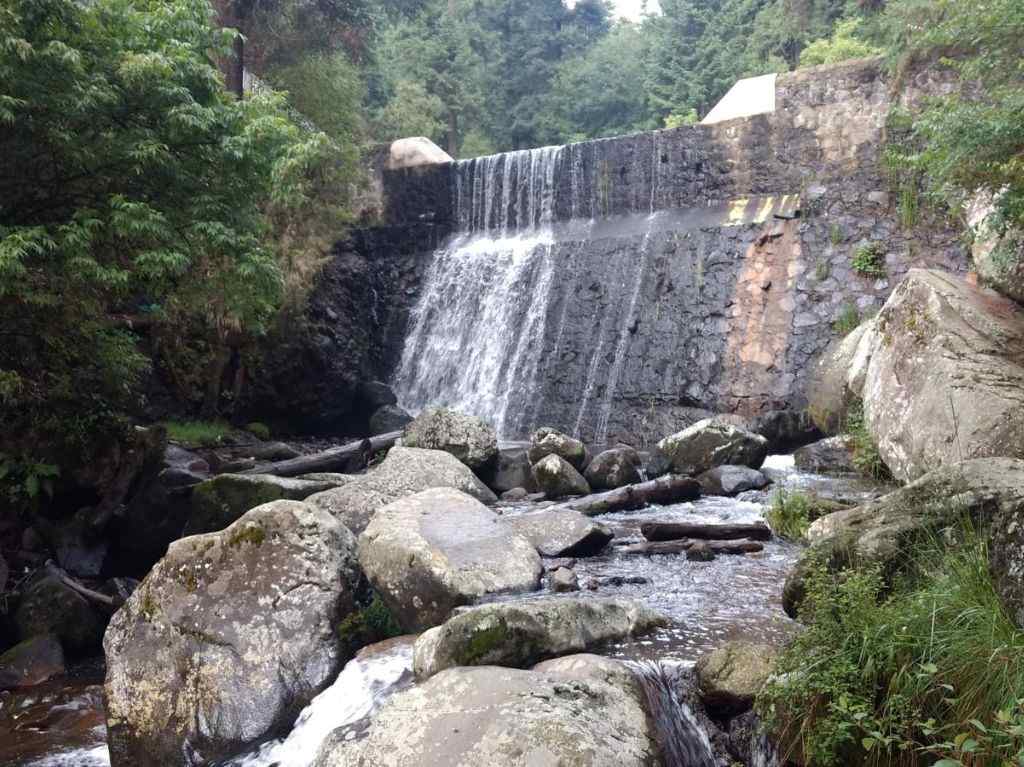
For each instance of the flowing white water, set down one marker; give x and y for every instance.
(478, 330)
(361, 687)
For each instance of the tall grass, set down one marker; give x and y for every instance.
(197, 433)
(929, 672)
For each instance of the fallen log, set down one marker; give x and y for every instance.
(670, 531)
(652, 548)
(346, 459)
(672, 488)
(111, 603)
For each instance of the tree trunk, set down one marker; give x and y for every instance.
(346, 459)
(236, 71)
(214, 373)
(672, 488)
(671, 531)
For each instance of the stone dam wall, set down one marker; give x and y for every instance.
(610, 286)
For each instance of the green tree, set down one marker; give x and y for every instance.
(844, 44)
(134, 192)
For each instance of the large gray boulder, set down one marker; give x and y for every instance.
(431, 552)
(832, 455)
(731, 480)
(522, 633)
(31, 662)
(547, 441)
(729, 677)
(405, 471)
(388, 418)
(988, 490)
(470, 439)
(218, 502)
(557, 478)
(511, 469)
(614, 468)
(229, 636)
(560, 533)
(50, 606)
(836, 380)
(501, 717)
(710, 443)
(945, 382)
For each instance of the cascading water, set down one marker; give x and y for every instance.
(364, 683)
(486, 332)
(478, 329)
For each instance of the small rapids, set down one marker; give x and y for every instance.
(366, 681)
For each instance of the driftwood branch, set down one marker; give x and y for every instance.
(672, 488)
(671, 531)
(652, 548)
(109, 602)
(348, 459)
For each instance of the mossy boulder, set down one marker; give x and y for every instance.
(710, 443)
(467, 717)
(613, 468)
(557, 478)
(547, 441)
(229, 636)
(730, 676)
(519, 634)
(219, 501)
(49, 606)
(470, 439)
(431, 552)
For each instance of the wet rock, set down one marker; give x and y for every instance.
(786, 430)
(438, 549)
(218, 502)
(520, 634)
(946, 380)
(32, 661)
(833, 455)
(510, 470)
(550, 565)
(563, 580)
(468, 717)
(700, 552)
(470, 439)
(547, 441)
(388, 418)
(79, 544)
(614, 468)
(988, 490)
(405, 471)
(618, 581)
(557, 478)
(515, 494)
(3, 573)
(536, 497)
(157, 512)
(731, 480)
(48, 606)
(730, 676)
(712, 443)
(377, 394)
(229, 636)
(560, 533)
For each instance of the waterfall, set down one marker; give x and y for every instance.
(486, 334)
(682, 739)
(477, 331)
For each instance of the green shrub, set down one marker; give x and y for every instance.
(258, 430)
(843, 45)
(373, 623)
(932, 670)
(822, 270)
(869, 260)
(848, 320)
(866, 457)
(197, 433)
(835, 234)
(789, 515)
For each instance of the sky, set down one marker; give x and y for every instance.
(632, 9)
